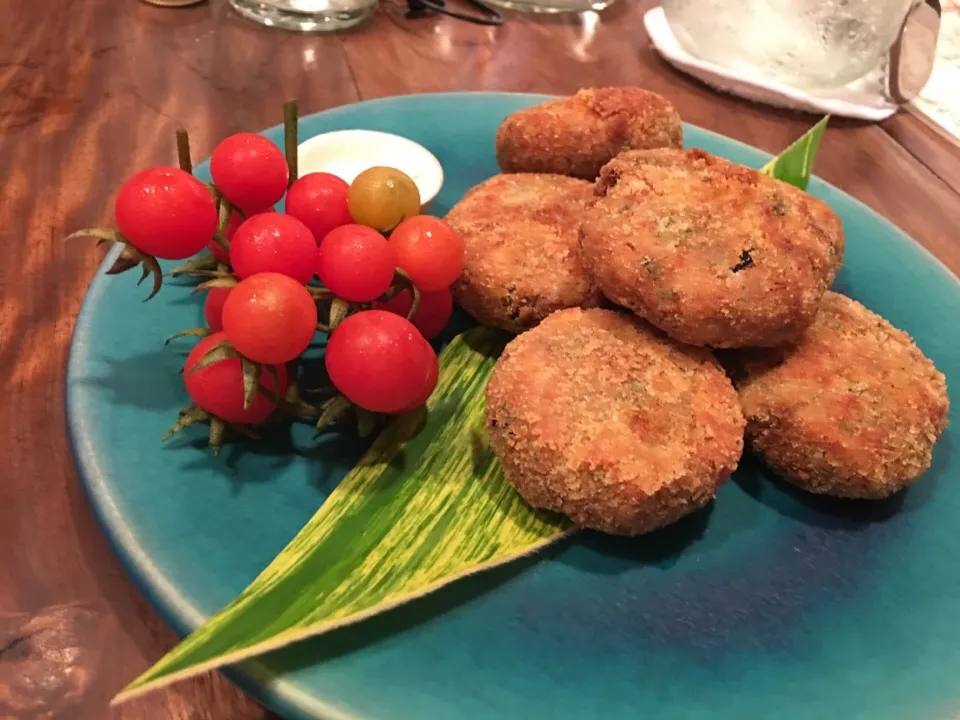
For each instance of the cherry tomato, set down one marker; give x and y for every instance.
(166, 212)
(213, 307)
(269, 318)
(218, 388)
(273, 242)
(221, 255)
(380, 361)
(432, 314)
(429, 250)
(250, 171)
(428, 389)
(356, 263)
(382, 197)
(319, 201)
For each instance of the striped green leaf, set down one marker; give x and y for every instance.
(795, 164)
(420, 510)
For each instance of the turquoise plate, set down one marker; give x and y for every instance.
(769, 602)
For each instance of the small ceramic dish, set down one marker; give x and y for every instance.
(347, 153)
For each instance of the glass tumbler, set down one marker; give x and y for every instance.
(553, 6)
(804, 43)
(306, 15)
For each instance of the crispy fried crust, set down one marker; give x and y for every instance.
(852, 410)
(577, 135)
(522, 261)
(711, 252)
(596, 415)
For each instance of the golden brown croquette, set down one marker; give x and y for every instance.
(577, 135)
(596, 415)
(522, 261)
(853, 409)
(711, 252)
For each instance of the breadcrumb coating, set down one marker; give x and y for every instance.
(853, 409)
(522, 260)
(596, 415)
(577, 135)
(711, 252)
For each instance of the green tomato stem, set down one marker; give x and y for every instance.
(223, 217)
(290, 113)
(183, 150)
(415, 294)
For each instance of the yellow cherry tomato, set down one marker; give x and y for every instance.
(382, 198)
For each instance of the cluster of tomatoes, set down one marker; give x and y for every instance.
(357, 261)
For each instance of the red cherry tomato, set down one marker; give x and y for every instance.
(381, 362)
(221, 255)
(319, 201)
(429, 250)
(273, 242)
(428, 389)
(218, 388)
(269, 318)
(250, 171)
(166, 212)
(213, 307)
(356, 263)
(432, 314)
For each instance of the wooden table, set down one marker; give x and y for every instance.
(92, 90)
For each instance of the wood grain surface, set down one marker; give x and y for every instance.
(93, 90)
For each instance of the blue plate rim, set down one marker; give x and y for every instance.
(282, 696)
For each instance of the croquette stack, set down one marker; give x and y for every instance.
(622, 419)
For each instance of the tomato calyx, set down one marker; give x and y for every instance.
(405, 284)
(193, 414)
(129, 258)
(340, 309)
(224, 211)
(332, 410)
(200, 332)
(223, 281)
(337, 408)
(198, 266)
(208, 265)
(250, 369)
(338, 312)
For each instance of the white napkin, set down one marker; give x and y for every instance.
(864, 98)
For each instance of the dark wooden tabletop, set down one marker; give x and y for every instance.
(92, 90)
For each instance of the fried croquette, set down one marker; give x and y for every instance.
(577, 135)
(711, 252)
(522, 260)
(596, 415)
(853, 409)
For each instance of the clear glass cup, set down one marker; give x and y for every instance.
(553, 6)
(803, 43)
(306, 15)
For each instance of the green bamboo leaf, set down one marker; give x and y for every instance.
(795, 164)
(426, 505)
